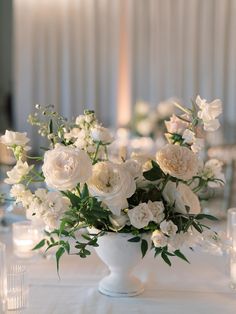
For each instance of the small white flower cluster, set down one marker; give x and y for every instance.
(212, 172)
(16, 141)
(42, 205)
(87, 133)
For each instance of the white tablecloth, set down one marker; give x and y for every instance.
(201, 287)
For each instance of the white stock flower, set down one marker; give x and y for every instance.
(112, 184)
(168, 227)
(118, 222)
(18, 172)
(177, 161)
(157, 209)
(133, 167)
(21, 194)
(73, 134)
(64, 167)
(181, 196)
(101, 134)
(209, 112)
(213, 170)
(140, 216)
(159, 239)
(11, 138)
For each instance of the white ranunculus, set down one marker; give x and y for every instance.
(181, 196)
(18, 172)
(112, 184)
(140, 216)
(157, 209)
(118, 222)
(11, 138)
(133, 167)
(101, 134)
(178, 161)
(168, 227)
(159, 239)
(209, 112)
(64, 167)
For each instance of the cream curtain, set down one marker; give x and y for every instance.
(66, 53)
(185, 47)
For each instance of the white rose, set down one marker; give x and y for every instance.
(157, 209)
(133, 167)
(181, 195)
(178, 161)
(112, 184)
(168, 227)
(140, 216)
(64, 167)
(101, 134)
(118, 222)
(18, 172)
(15, 139)
(145, 127)
(159, 239)
(209, 112)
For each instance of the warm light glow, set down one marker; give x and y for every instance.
(124, 90)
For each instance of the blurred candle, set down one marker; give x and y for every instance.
(231, 227)
(3, 279)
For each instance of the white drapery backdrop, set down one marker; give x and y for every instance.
(68, 52)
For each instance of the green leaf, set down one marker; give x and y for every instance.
(85, 191)
(205, 216)
(59, 254)
(39, 245)
(158, 250)
(134, 239)
(166, 258)
(181, 255)
(197, 227)
(144, 247)
(153, 174)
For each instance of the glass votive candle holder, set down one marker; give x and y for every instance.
(3, 279)
(25, 236)
(231, 227)
(17, 287)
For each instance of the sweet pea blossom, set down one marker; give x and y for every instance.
(18, 172)
(209, 113)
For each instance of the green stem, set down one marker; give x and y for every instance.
(188, 111)
(96, 153)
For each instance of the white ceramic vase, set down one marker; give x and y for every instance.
(121, 257)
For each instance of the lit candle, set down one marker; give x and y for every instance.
(25, 236)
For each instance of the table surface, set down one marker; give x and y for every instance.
(199, 287)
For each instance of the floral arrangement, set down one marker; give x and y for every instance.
(140, 195)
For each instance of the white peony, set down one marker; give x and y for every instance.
(64, 167)
(11, 138)
(209, 112)
(140, 216)
(101, 134)
(178, 161)
(118, 222)
(159, 239)
(181, 196)
(168, 227)
(112, 184)
(18, 172)
(157, 209)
